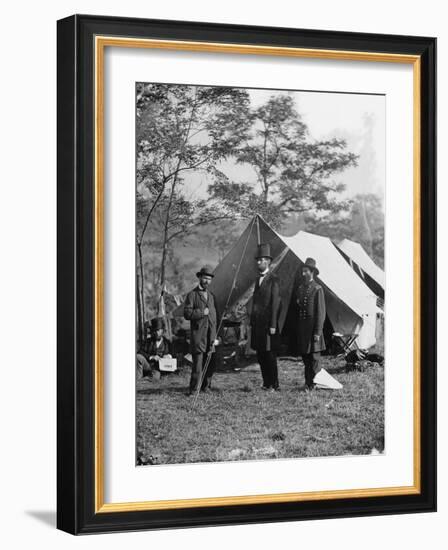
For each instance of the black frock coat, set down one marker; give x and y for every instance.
(265, 313)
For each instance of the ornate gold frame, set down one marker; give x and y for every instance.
(101, 42)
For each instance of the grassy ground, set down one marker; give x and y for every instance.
(239, 421)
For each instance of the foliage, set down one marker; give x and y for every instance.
(294, 173)
(185, 128)
(364, 223)
(180, 129)
(185, 133)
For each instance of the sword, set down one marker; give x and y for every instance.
(204, 372)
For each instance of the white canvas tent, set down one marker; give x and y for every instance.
(351, 305)
(366, 267)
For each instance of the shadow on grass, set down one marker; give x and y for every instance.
(222, 391)
(184, 390)
(162, 390)
(341, 369)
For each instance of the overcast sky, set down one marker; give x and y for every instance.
(357, 118)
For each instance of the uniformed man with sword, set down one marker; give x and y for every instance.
(308, 302)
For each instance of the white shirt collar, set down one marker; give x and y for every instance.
(264, 273)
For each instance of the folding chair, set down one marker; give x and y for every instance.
(345, 341)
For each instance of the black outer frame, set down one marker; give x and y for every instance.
(75, 294)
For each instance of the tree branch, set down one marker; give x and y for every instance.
(197, 224)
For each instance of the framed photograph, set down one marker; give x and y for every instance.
(246, 274)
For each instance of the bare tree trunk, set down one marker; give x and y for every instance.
(139, 249)
(139, 312)
(266, 192)
(265, 184)
(367, 229)
(170, 202)
(163, 264)
(151, 210)
(142, 280)
(166, 236)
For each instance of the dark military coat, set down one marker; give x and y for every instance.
(203, 327)
(308, 309)
(265, 312)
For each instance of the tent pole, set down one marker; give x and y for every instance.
(258, 230)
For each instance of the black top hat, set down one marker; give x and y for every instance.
(206, 270)
(157, 323)
(263, 251)
(311, 263)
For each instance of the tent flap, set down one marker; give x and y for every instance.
(357, 253)
(351, 305)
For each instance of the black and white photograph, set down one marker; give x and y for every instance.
(259, 274)
(221, 263)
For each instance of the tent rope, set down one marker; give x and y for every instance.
(210, 353)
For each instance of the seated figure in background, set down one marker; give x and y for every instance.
(154, 346)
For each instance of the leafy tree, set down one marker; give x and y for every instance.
(294, 173)
(363, 223)
(181, 130)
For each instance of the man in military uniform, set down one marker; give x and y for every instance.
(264, 318)
(200, 309)
(308, 306)
(152, 349)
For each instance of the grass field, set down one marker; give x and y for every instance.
(239, 421)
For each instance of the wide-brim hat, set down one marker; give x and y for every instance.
(205, 271)
(157, 323)
(311, 263)
(263, 251)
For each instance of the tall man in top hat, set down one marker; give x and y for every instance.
(200, 309)
(264, 318)
(308, 305)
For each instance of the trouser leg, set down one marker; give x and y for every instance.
(308, 369)
(315, 363)
(196, 371)
(206, 383)
(155, 372)
(272, 369)
(312, 366)
(261, 358)
(142, 365)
